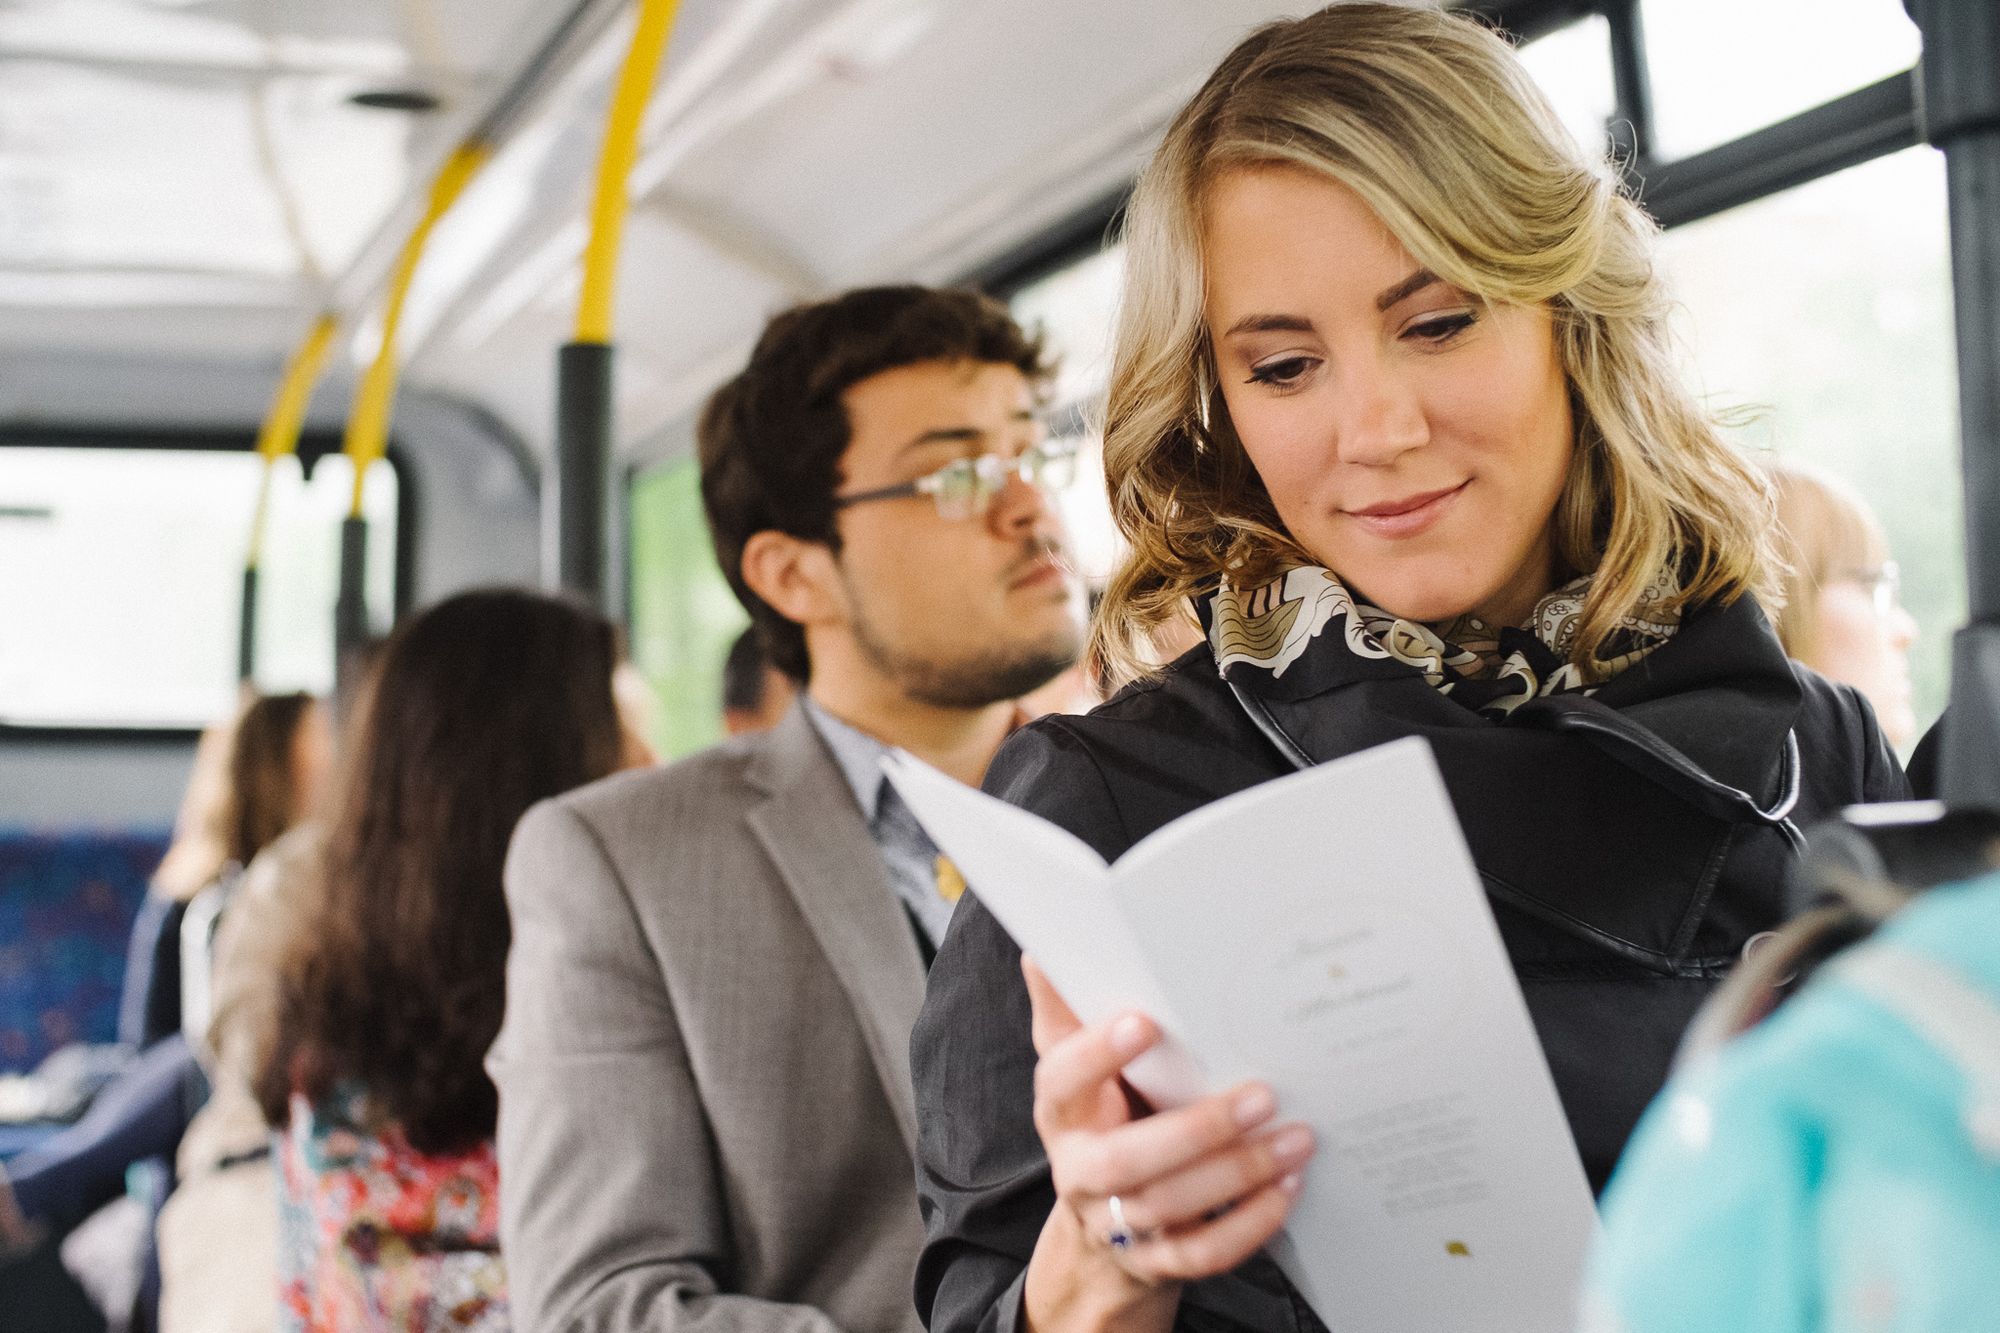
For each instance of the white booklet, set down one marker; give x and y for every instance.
(1325, 932)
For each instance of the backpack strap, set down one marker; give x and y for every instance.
(1947, 1010)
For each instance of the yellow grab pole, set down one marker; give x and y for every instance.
(368, 424)
(280, 433)
(279, 436)
(575, 506)
(614, 167)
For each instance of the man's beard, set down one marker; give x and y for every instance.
(984, 676)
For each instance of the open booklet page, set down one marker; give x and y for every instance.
(1325, 932)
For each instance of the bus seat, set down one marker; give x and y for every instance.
(68, 900)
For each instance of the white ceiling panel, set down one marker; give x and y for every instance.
(145, 145)
(865, 157)
(193, 170)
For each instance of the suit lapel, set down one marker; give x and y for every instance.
(810, 826)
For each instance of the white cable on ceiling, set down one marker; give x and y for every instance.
(282, 193)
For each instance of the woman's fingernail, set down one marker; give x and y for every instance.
(1292, 1146)
(1128, 1035)
(1253, 1106)
(1290, 1184)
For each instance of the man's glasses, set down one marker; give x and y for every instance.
(967, 487)
(1884, 584)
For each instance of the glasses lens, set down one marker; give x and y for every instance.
(958, 489)
(1051, 466)
(1888, 588)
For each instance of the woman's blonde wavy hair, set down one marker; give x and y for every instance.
(1431, 120)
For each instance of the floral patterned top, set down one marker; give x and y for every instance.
(374, 1235)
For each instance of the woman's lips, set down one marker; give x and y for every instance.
(1408, 516)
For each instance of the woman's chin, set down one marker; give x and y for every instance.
(1425, 605)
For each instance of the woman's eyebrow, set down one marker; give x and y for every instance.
(1405, 289)
(1402, 291)
(1269, 324)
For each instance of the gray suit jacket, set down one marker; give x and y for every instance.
(705, 1111)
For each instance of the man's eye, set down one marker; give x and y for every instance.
(1282, 372)
(1442, 328)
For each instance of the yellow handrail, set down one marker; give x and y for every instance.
(280, 433)
(368, 425)
(614, 166)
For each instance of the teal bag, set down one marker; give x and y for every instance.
(1837, 1168)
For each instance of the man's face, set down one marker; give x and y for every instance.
(956, 612)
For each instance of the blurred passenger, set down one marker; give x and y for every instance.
(481, 706)
(1393, 410)
(1837, 1168)
(705, 1112)
(637, 708)
(251, 781)
(755, 694)
(218, 1232)
(1841, 615)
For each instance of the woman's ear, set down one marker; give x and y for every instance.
(796, 578)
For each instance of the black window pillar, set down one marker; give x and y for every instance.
(1959, 105)
(577, 515)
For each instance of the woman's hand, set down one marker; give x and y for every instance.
(1201, 1188)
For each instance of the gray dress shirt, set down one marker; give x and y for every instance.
(907, 851)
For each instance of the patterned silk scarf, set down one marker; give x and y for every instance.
(1491, 671)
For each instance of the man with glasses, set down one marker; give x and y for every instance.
(705, 1111)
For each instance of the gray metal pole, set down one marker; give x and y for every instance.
(576, 513)
(246, 627)
(350, 607)
(1959, 104)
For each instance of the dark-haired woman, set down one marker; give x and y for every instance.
(480, 707)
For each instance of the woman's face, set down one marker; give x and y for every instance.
(1862, 637)
(1413, 440)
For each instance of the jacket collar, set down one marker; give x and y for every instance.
(1719, 696)
(813, 831)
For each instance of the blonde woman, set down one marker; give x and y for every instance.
(1392, 412)
(1841, 614)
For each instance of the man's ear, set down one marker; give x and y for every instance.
(796, 578)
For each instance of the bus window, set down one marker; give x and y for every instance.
(1076, 307)
(1572, 66)
(132, 618)
(1721, 68)
(1826, 310)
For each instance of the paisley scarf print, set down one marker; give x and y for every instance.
(1492, 671)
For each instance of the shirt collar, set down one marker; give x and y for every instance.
(858, 754)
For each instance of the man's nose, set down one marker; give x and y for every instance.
(1020, 508)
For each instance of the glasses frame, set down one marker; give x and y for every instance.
(1884, 583)
(1047, 465)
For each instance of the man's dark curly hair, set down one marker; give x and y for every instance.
(771, 439)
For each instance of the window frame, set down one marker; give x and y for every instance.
(314, 446)
(1859, 126)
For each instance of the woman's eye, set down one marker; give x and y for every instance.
(1442, 328)
(1283, 372)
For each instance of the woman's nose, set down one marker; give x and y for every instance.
(1380, 417)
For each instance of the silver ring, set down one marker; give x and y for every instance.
(1122, 1235)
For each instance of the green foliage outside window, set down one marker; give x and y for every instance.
(684, 616)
